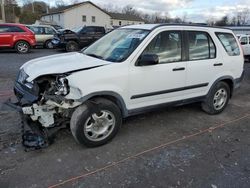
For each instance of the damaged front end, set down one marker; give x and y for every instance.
(43, 104)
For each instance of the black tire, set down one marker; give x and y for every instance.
(72, 46)
(211, 104)
(48, 44)
(83, 117)
(22, 47)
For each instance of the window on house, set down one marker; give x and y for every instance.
(84, 18)
(111, 22)
(93, 19)
(59, 17)
(120, 22)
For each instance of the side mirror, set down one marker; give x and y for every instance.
(148, 59)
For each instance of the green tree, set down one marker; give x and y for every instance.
(27, 17)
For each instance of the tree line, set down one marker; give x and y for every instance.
(31, 10)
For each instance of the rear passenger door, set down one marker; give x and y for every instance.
(5, 36)
(203, 62)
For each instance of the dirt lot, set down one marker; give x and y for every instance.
(172, 147)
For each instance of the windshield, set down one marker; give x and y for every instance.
(117, 45)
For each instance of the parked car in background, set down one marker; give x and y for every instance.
(16, 36)
(245, 43)
(73, 40)
(129, 71)
(44, 35)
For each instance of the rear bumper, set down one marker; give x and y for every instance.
(58, 43)
(237, 81)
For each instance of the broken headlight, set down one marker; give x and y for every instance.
(62, 87)
(22, 77)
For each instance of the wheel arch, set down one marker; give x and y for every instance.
(21, 40)
(109, 95)
(228, 80)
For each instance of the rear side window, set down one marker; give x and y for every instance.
(15, 29)
(229, 43)
(200, 45)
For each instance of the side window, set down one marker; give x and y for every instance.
(15, 29)
(167, 45)
(49, 31)
(4, 29)
(90, 30)
(200, 46)
(229, 43)
(243, 41)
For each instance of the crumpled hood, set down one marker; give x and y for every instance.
(58, 64)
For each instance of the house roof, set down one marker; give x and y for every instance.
(69, 7)
(120, 16)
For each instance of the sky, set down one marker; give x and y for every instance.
(194, 10)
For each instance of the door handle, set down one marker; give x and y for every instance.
(179, 69)
(218, 64)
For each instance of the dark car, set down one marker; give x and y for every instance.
(16, 36)
(73, 40)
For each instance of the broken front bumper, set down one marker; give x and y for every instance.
(24, 94)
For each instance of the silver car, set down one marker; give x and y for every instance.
(44, 34)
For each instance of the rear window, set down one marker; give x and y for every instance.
(229, 43)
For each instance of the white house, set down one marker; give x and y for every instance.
(88, 14)
(118, 19)
(81, 14)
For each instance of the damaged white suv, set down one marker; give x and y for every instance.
(131, 70)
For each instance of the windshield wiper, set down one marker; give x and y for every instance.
(94, 55)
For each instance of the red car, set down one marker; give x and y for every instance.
(16, 36)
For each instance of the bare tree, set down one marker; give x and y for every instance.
(243, 16)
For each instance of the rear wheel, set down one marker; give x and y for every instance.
(96, 123)
(217, 99)
(22, 47)
(72, 46)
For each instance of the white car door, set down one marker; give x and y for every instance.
(163, 82)
(244, 41)
(207, 61)
(203, 62)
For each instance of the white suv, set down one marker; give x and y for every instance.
(245, 43)
(131, 70)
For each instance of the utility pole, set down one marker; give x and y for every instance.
(33, 8)
(3, 10)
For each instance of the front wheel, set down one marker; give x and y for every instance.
(96, 123)
(22, 47)
(72, 46)
(217, 99)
